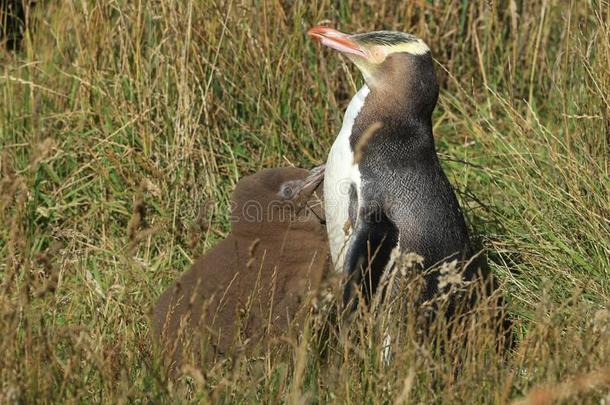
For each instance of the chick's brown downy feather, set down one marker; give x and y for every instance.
(252, 284)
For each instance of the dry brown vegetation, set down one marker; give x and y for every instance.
(124, 125)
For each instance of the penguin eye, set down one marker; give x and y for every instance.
(377, 54)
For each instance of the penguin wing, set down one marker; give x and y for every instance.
(372, 241)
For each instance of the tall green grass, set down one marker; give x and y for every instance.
(115, 105)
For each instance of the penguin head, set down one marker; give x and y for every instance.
(395, 63)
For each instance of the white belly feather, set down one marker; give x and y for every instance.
(339, 174)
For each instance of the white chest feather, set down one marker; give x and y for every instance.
(339, 175)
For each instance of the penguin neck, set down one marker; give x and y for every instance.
(393, 117)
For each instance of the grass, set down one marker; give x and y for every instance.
(169, 103)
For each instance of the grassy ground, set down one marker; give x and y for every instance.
(170, 102)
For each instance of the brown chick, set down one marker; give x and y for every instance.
(251, 286)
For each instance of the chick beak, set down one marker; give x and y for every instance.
(336, 40)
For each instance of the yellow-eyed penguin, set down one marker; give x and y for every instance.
(384, 189)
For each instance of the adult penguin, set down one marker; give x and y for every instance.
(385, 192)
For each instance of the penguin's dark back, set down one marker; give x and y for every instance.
(419, 200)
(402, 174)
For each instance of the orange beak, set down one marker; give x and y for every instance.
(337, 40)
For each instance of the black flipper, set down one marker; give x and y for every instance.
(370, 248)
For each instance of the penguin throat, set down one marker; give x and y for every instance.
(388, 117)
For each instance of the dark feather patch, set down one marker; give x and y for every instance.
(384, 38)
